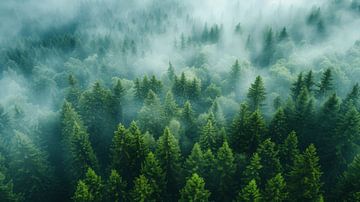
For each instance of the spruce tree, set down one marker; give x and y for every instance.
(194, 190)
(237, 129)
(269, 160)
(94, 184)
(168, 153)
(225, 165)
(325, 85)
(154, 173)
(349, 183)
(195, 161)
(250, 193)
(82, 193)
(115, 188)
(208, 137)
(275, 189)
(254, 131)
(142, 190)
(297, 87)
(289, 151)
(252, 170)
(256, 94)
(278, 128)
(304, 178)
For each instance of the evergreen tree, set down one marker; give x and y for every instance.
(278, 127)
(256, 94)
(94, 184)
(82, 193)
(170, 107)
(29, 169)
(309, 81)
(154, 173)
(152, 116)
(326, 85)
(253, 169)
(349, 183)
(297, 87)
(237, 129)
(254, 131)
(250, 193)
(195, 161)
(142, 191)
(269, 160)
(7, 190)
(194, 190)
(118, 95)
(208, 137)
(225, 164)
(234, 76)
(188, 121)
(275, 189)
(171, 72)
(283, 34)
(115, 188)
(268, 49)
(289, 151)
(168, 152)
(304, 178)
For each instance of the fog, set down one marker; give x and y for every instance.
(43, 44)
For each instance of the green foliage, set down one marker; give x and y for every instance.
(115, 188)
(256, 94)
(142, 191)
(168, 153)
(252, 170)
(194, 190)
(154, 173)
(304, 178)
(275, 189)
(250, 193)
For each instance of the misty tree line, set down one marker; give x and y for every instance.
(89, 121)
(181, 146)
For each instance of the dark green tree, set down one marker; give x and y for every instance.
(325, 85)
(349, 184)
(276, 190)
(237, 135)
(208, 137)
(256, 94)
(142, 191)
(154, 173)
(250, 193)
(195, 161)
(194, 190)
(168, 153)
(252, 170)
(226, 167)
(289, 151)
(115, 188)
(82, 193)
(304, 178)
(278, 128)
(254, 131)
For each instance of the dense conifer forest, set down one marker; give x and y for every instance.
(179, 100)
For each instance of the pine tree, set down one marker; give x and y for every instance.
(237, 129)
(188, 121)
(297, 87)
(268, 49)
(118, 97)
(252, 170)
(234, 76)
(304, 178)
(7, 190)
(256, 94)
(171, 109)
(195, 161)
(142, 190)
(352, 98)
(278, 128)
(171, 72)
(309, 81)
(208, 137)
(289, 151)
(250, 193)
(275, 189)
(154, 173)
(152, 116)
(225, 164)
(82, 193)
(254, 131)
(168, 152)
(94, 184)
(349, 183)
(29, 169)
(326, 85)
(115, 188)
(347, 138)
(73, 93)
(269, 160)
(209, 170)
(194, 190)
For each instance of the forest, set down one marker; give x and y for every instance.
(179, 100)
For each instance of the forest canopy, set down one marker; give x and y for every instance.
(179, 100)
